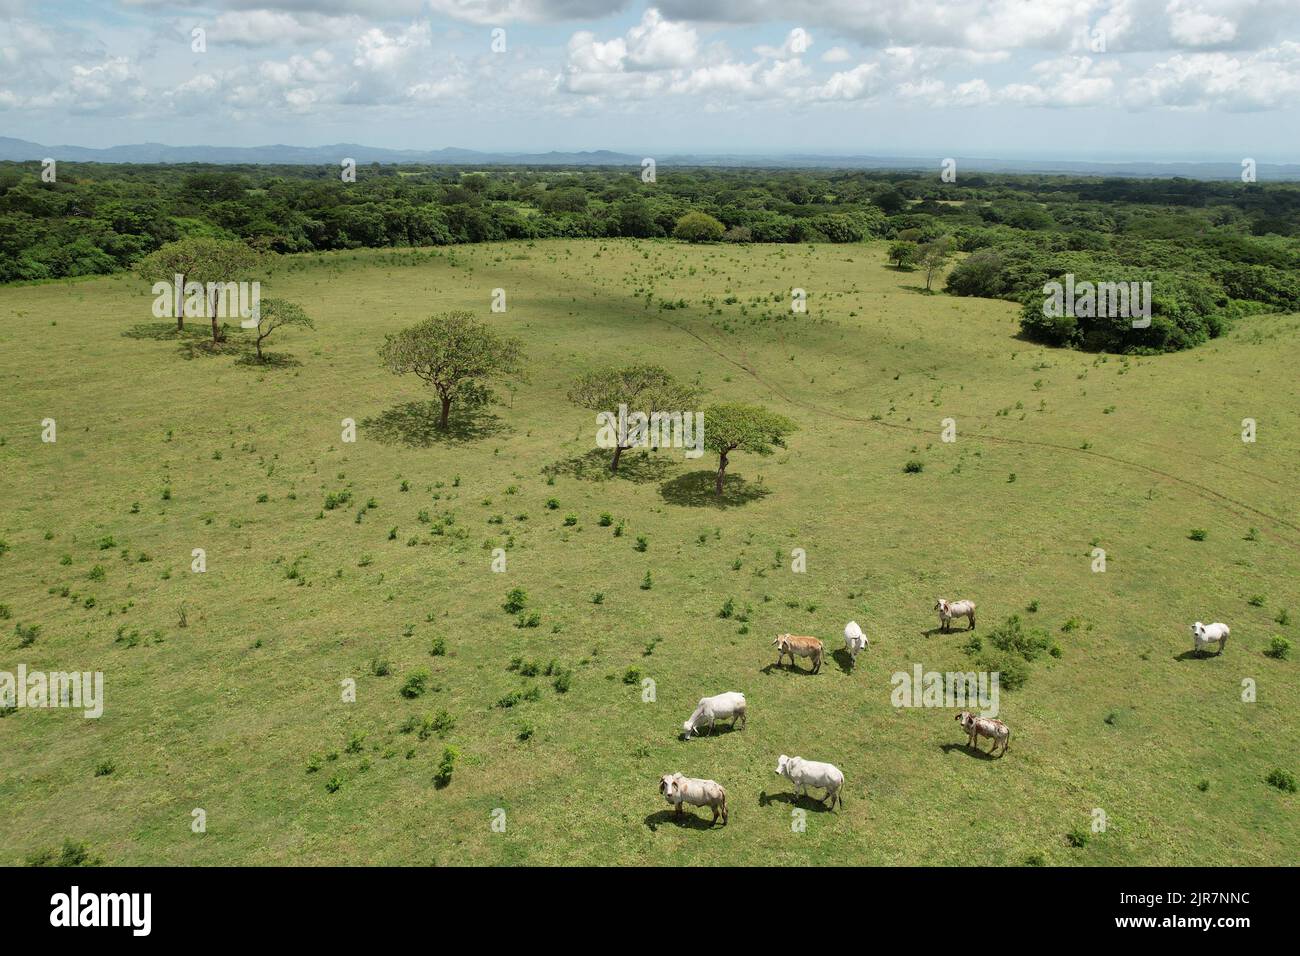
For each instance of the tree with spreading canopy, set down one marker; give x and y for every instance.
(642, 388)
(734, 426)
(211, 262)
(272, 314)
(456, 354)
(698, 227)
(934, 256)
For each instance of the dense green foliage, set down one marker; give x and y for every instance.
(1211, 250)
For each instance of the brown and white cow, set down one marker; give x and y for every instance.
(977, 727)
(678, 790)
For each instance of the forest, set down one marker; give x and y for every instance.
(1212, 251)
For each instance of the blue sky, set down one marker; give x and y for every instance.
(1081, 79)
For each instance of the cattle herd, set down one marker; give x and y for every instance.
(680, 790)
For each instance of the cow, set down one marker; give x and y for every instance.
(678, 790)
(950, 609)
(811, 773)
(1203, 635)
(720, 706)
(800, 647)
(977, 727)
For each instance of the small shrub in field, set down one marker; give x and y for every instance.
(646, 582)
(570, 520)
(530, 669)
(525, 730)
(642, 542)
(1256, 600)
(1284, 780)
(439, 647)
(72, 853)
(97, 573)
(1203, 786)
(510, 700)
(1283, 617)
(5, 613)
(1078, 838)
(516, 600)
(1278, 648)
(1032, 606)
(728, 608)
(914, 467)
(1198, 534)
(333, 785)
(415, 684)
(442, 776)
(1035, 859)
(552, 504)
(598, 597)
(337, 499)
(606, 519)
(563, 680)
(27, 634)
(532, 619)
(380, 667)
(104, 768)
(632, 676)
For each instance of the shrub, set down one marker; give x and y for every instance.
(1283, 617)
(532, 619)
(563, 680)
(632, 676)
(380, 667)
(415, 684)
(598, 597)
(697, 226)
(334, 784)
(1078, 838)
(516, 599)
(642, 542)
(570, 520)
(27, 634)
(104, 768)
(606, 519)
(728, 608)
(1284, 780)
(1279, 647)
(525, 730)
(914, 467)
(73, 853)
(442, 776)
(1198, 534)
(439, 647)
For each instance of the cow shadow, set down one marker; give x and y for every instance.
(844, 659)
(938, 629)
(415, 424)
(689, 820)
(974, 754)
(790, 798)
(719, 729)
(786, 669)
(594, 466)
(1195, 655)
(695, 489)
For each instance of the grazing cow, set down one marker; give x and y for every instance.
(1203, 635)
(950, 609)
(800, 647)
(698, 793)
(854, 640)
(977, 727)
(718, 707)
(810, 773)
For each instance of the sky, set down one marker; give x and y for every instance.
(1076, 79)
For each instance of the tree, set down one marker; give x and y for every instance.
(903, 253)
(934, 256)
(642, 388)
(211, 262)
(733, 426)
(456, 354)
(698, 227)
(272, 314)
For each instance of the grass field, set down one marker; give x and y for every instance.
(1057, 452)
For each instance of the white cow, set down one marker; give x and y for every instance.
(698, 793)
(1203, 635)
(854, 640)
(950, 609)
(810, 773)
(718, 707)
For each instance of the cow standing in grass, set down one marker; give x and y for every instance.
(977, 727)
(798, 647)
(678, 790)
(1203, 635)
(950, 609)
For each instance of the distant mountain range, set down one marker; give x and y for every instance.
(17, 150)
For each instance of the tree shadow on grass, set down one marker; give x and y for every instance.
(594, 466)
(919, 289)
(695, 490)
(793, 799)
(268, 360)
(1195, 655)
(693, 821)
(415, 424)
(167, 332)
(975, 754)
